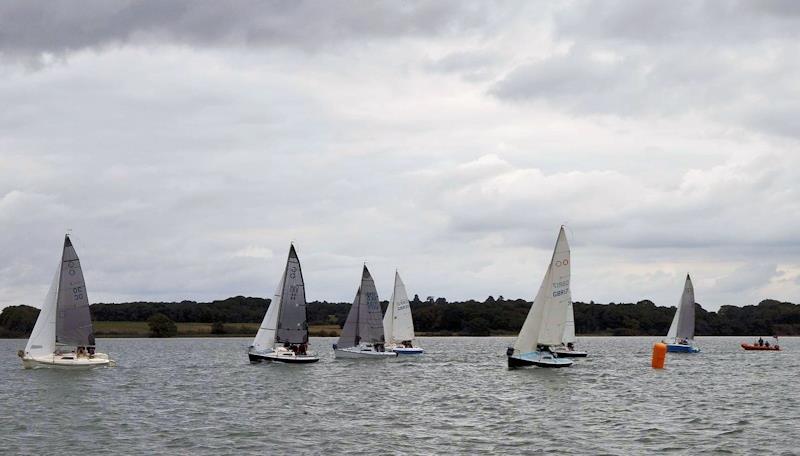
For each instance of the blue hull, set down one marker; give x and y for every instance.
(680, 348)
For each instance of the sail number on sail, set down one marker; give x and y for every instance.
(564, 288)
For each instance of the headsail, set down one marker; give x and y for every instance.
(364, 321)
(43, 337)
(682, 326)
(547, 318)
(73, 321)
(292, 321)
(397, 323)
(265, 337)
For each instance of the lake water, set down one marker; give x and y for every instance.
(201, 396)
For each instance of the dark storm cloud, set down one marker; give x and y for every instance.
(30, 28)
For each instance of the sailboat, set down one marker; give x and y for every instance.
(362, 335)
(567, 347)
(283, 335)
(680, 338)
(398, 326)
(63, 335)
(544, 326)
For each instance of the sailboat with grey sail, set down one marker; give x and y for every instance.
(63, 335)
(283, 334)
(362, 335)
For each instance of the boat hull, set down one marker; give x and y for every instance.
(537, 359)
(359, 353)
(681, 348)
(750, 347)
(281, 356)
(407, 350)
(563, 352)
(67, 362)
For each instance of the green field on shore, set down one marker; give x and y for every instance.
(141, 329)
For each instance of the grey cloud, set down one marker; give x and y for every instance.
(30, 28)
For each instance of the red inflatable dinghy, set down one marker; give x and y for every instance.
(761, 347)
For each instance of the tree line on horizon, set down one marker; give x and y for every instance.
(439, 317)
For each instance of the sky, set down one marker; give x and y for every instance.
(186, 144)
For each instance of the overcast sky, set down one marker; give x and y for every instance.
(187, 143)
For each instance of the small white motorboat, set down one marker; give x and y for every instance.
(63, 335)
(283, 335)
(398, 326)
(362, 335)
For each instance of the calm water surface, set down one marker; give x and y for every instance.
(201, 396)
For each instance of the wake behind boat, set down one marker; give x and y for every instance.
(63, 335)
(544, 326)
(680, 338)
(398, 325)
(362, 335)
(283, 335)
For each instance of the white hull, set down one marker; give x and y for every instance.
(68, 361)
(400, 350)
(362, 352)
(282, 355)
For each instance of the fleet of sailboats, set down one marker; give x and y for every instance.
(362, 335)
(283, 335)
(680, 338)
(398, 326)
(544, 326)
(63, 335)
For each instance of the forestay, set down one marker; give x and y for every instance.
(548, 315)
(398, 323)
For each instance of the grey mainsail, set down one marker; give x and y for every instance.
(365, 319)
(685, 328)
(73, 321)
(292, 318)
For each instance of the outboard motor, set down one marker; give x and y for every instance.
(334, 346)
(509, 351)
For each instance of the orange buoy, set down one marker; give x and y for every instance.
(659, 355)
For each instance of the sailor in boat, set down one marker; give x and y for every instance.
(406, 344)
(570, 346)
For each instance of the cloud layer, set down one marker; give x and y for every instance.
(186, 144)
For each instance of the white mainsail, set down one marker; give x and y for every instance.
(548, 315)
(398, 325)
(682, 326)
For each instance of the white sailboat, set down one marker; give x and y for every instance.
(680, 338)
(398, 325)
(362, 335)
(544, 326)
(63, 335)
(283, 335)
(567, 347)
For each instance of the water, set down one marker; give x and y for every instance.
(200, 396)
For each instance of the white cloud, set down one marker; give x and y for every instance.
(448, 141)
